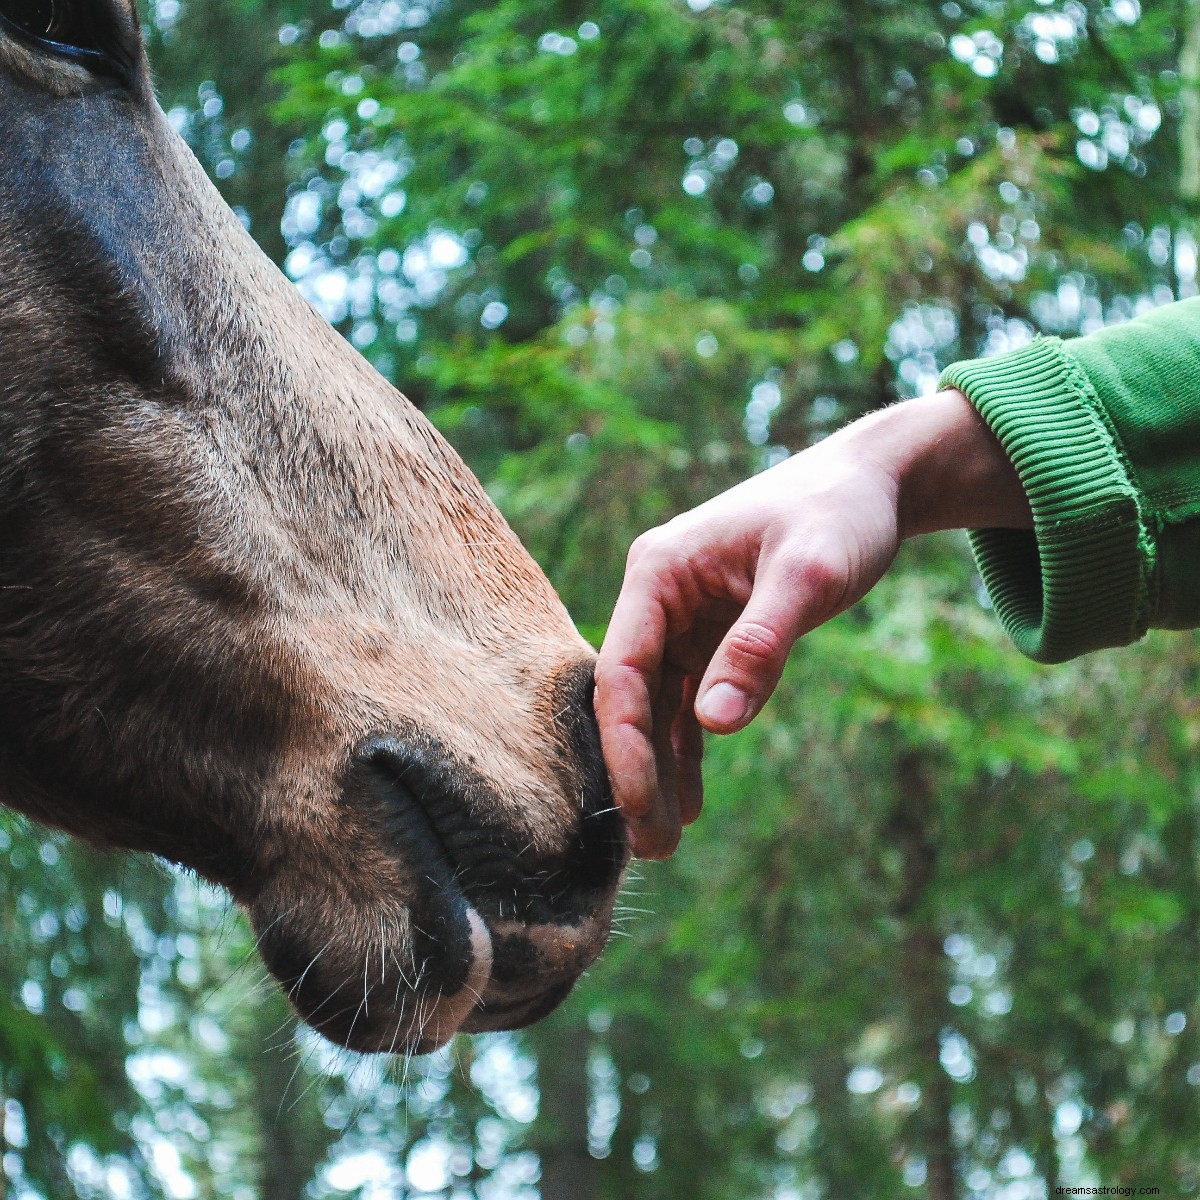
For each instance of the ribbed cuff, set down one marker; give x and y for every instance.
(1079, 581)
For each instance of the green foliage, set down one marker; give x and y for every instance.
(78, 932)
(936, 933)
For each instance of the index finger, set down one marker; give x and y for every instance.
(627, 680)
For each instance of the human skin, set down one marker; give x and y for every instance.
(713, 600)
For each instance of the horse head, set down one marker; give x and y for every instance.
(256, 616)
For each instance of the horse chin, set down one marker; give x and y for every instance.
(433, 1022)
(480, 1007)
(534, 968)
(518, 975)
(439, 965)
(490, 1017)
(561, 954)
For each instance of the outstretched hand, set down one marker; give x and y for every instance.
(713, 601)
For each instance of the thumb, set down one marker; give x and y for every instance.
(788, 600)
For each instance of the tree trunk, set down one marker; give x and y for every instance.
(1189, 101)
(289, 1151)
(569, 1172)
(3, 1143)
(912, 831)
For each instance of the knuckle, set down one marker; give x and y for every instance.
(612, 676)
(610, 673)
(605, 675)
(815, 574)
(669, 540)
(657, 555)
(754, 644)
(824, 582)
(646, 545)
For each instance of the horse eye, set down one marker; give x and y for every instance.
(45, 19)
(80, 29)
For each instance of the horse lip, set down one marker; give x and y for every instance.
(488, 1017)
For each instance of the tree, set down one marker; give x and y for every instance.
(936, 931)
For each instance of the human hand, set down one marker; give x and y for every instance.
(713, 601)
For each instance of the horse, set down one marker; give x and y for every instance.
(256, 616)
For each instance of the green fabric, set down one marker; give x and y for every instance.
(1104, 431)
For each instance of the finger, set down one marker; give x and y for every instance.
(656, 835)
(688, 740)
(791, 595)
(627, 682)
(624, 714)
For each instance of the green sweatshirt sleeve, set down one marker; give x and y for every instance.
(1104, 432)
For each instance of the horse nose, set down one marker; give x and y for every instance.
(493, 901)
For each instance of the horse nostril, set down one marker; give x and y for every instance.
(407, 784)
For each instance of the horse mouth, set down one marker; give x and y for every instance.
(448, 930)
(503, 940)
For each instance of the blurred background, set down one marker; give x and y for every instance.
(938, 932)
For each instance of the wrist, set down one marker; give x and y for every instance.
(949, 470)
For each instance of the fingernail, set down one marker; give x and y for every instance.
(723, 704)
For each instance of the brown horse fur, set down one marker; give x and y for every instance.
(256, 616)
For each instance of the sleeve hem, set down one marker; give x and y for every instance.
(1081, 580)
